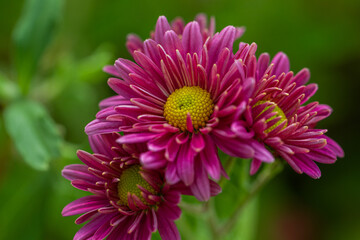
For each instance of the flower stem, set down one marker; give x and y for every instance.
(192, 208)
(262, 179)
(229, 165)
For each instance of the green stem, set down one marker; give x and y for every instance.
(212, 220)
(262, 179)
(192, 208)
(229, 165)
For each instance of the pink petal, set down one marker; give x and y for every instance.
(185, 164)
(201, 186)
(162, 25)
(255, 165)
(168, 229)
(192, 39)
(281, 64)
(85, 204)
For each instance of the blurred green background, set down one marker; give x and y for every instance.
(51, 56)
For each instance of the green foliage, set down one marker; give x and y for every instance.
(32, 34)
(8, 89)
(23, 198)
(33, 132)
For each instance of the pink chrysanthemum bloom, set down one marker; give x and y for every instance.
(128, 202)
(181, 98)
(278, 118)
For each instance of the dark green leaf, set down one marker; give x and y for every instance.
(32, 34)
(33, 132)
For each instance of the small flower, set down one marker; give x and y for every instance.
(181, 98)
(280, 121)
(127, 201)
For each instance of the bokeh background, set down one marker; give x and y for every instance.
(51, 56)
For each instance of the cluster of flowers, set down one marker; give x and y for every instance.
(186, 96)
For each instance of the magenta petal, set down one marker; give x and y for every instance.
(171, 211)
(189, 125)
(171, 173)
(162, 26)
(185, 164)
(225, 39)
(241, 131)
(192, 39)
(307, 166)
(86, 217)
(182, 138)
(281, 64)
(210, 159)
(153, 160)
(84, 204)
(147, 106)
(235, 147)
(172, 149)
(111, 70)
(168, 229)
(144, 232)
(137, 137)
(148, 65)
(100, 127)
(301, 77)
(261, 153)
(159, 143)
(78, 171)
(334, 147)
(151, 50)
(134, 43)
(239, 32)
(102, 144)
(172, 43)
(309, 91)
(120, 232)
(103, 230)
(255, 165)
(215, 188)
(113, 101)
(262, 65)
(87, 231)
(197, 142)
(121, 87)
(201, 185)
(323, 155)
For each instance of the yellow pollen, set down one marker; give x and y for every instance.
(279, 113)
(129, 180)
(193, 100)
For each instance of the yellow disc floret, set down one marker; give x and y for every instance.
(129, 181)
(279, 113)
(193, 100)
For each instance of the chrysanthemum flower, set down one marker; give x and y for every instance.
(181, 97)
(279, 120)
(128, 202)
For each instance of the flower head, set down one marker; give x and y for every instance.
(127, 201)
(180, 98)
(280, 121)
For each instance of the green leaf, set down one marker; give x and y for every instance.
(246, 225)
(32, 34)
(8, 89)
(33, 132)
(24, 194)
(90, 68)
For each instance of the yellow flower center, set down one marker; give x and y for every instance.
(279, 113)
(129, 180)
(193, 100)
